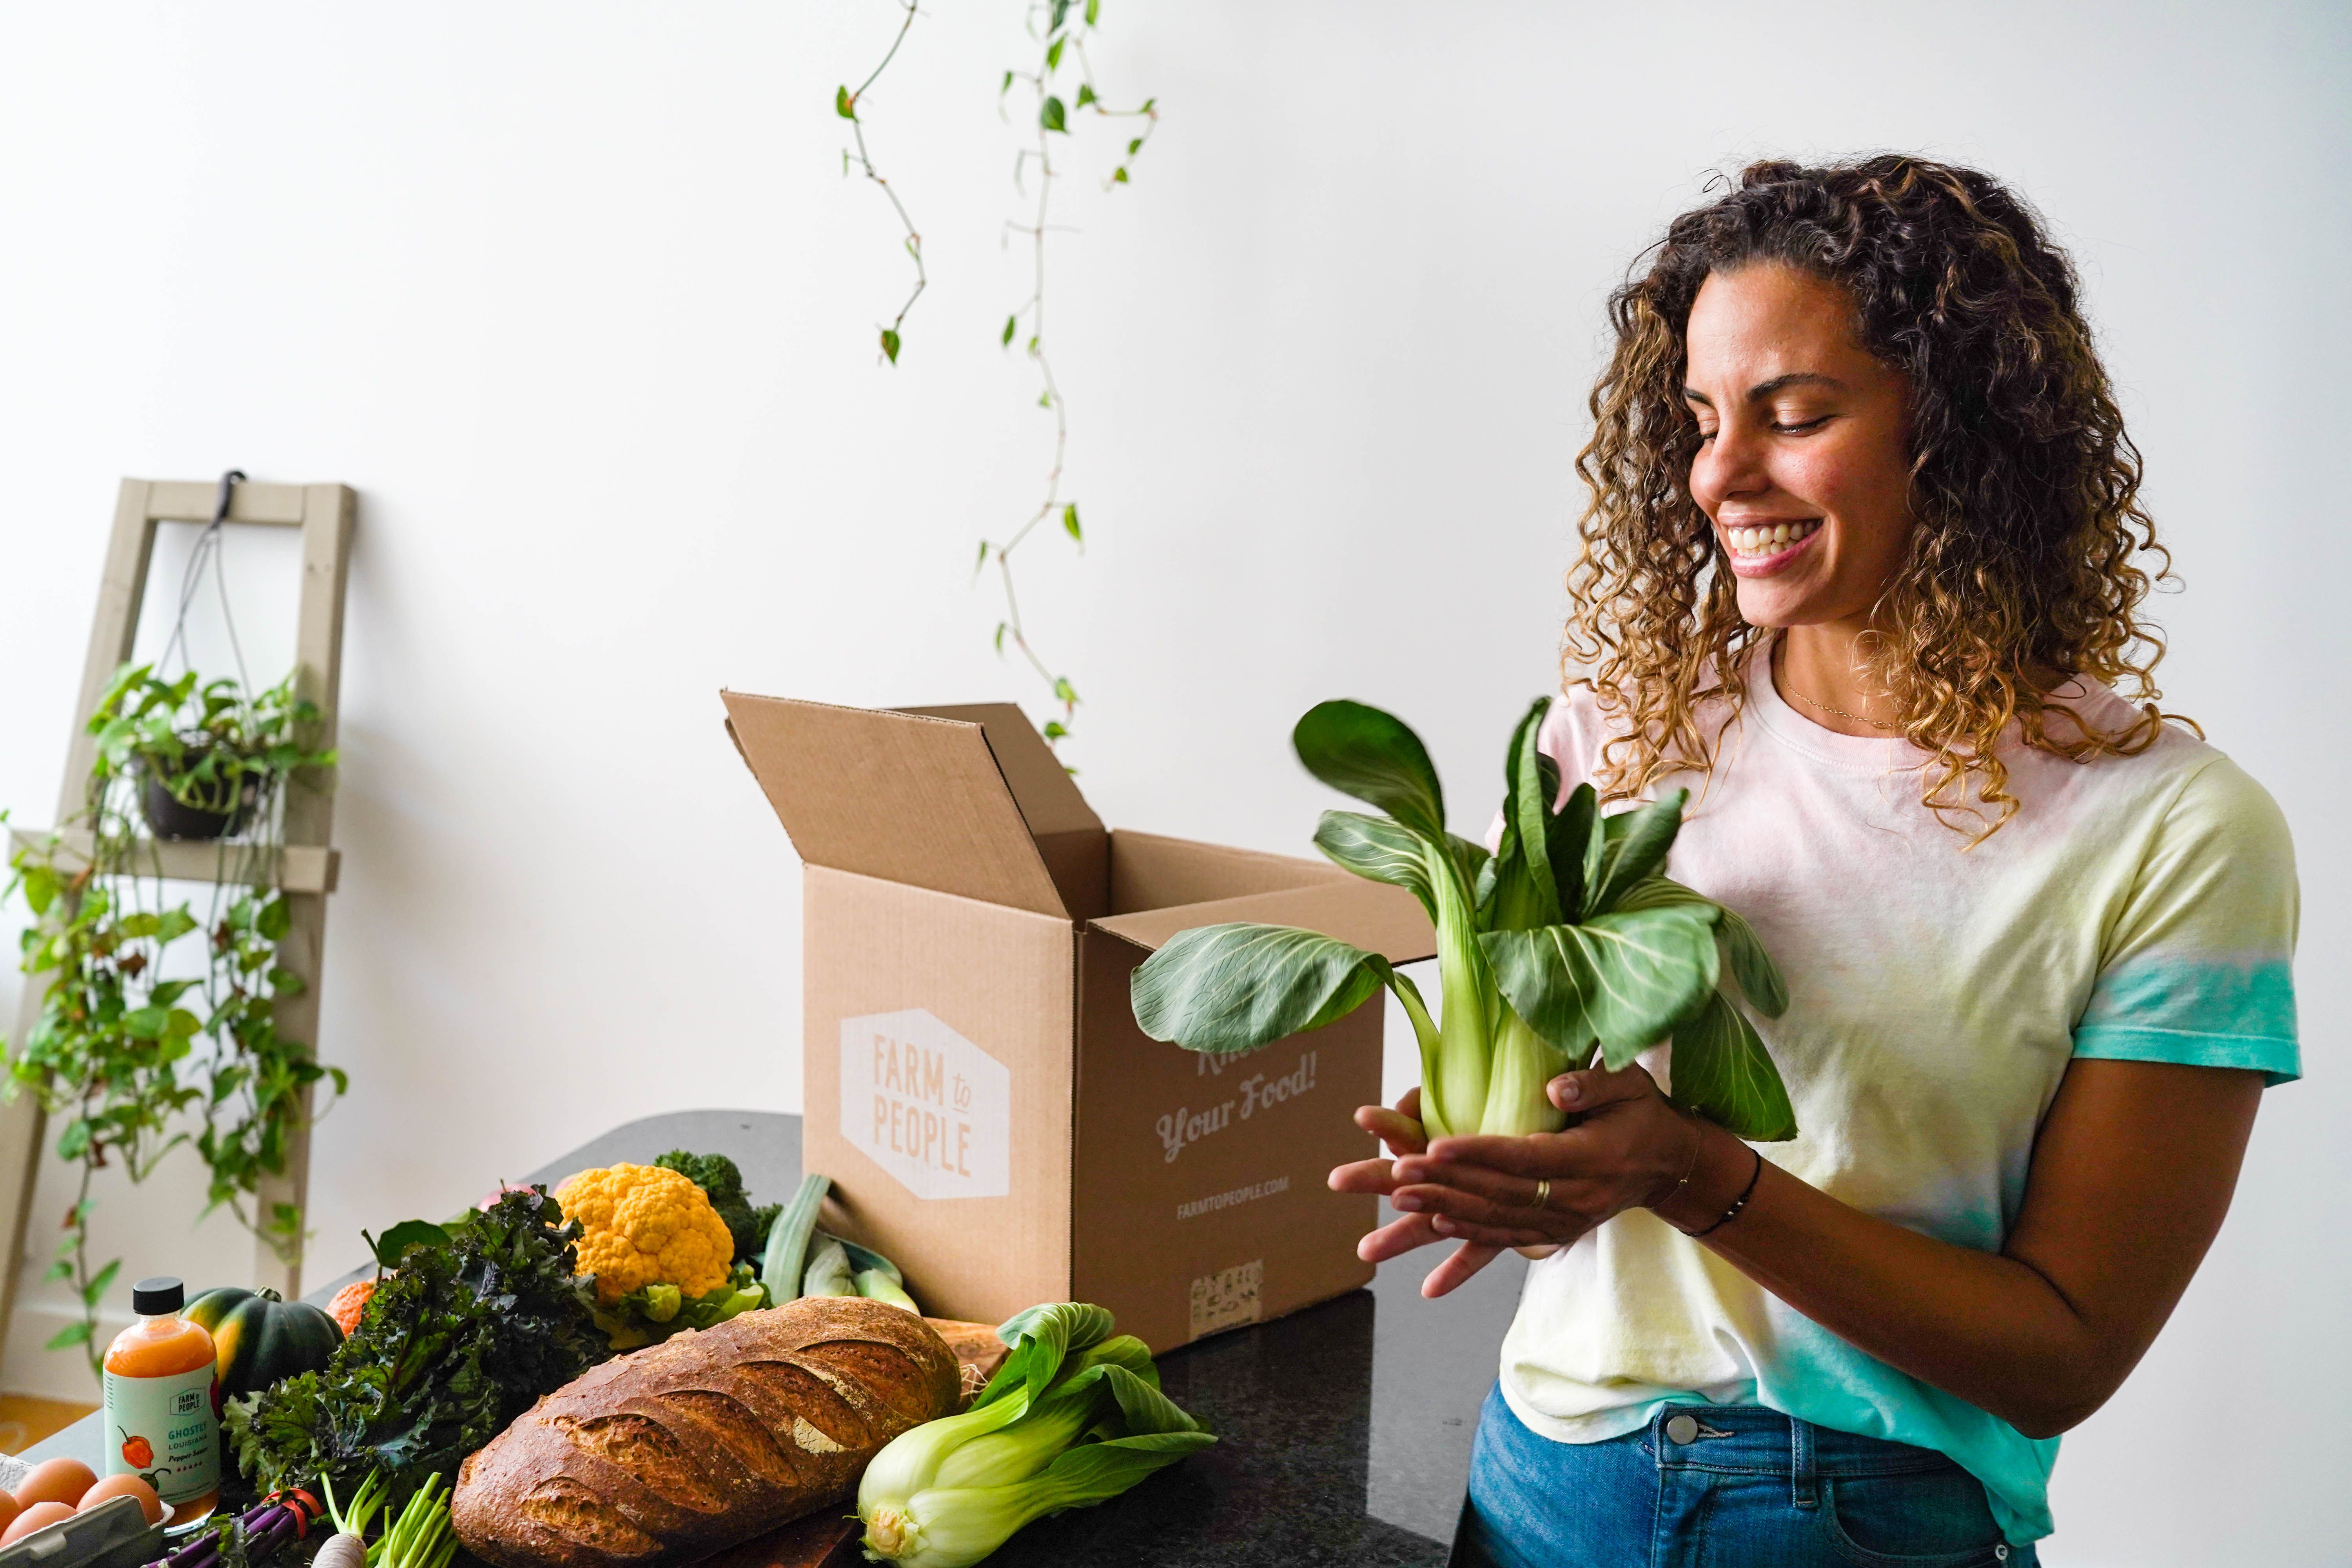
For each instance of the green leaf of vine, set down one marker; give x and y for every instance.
(1070, 523)
(890, 346)
(1086, 94)
(843, 104)
(1053, 51)
(71, 1335)
(1052, 116)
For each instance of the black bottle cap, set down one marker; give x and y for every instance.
(153, 1296)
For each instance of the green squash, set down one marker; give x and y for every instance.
(258, 1338)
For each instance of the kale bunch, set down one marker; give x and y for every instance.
(722, 1184)
(454, 1346)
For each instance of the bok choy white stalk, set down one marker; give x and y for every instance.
(1567, 945)
(1075, 1417)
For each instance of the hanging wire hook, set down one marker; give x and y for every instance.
(206, 552)
(228, 483)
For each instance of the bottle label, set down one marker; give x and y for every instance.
(162, 1430)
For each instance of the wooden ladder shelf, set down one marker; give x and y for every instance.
(306, 867)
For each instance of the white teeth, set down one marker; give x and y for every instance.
(1765, 539)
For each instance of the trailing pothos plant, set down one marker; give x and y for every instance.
(1059, 32)
(139, 1054)
(1567, 945)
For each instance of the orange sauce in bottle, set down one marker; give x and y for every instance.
(162, 1425)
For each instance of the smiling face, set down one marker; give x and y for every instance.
(1801, 464)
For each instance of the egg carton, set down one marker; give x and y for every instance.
(114, 1534)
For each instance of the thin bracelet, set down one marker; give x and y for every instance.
(1697, 1149)
(1737, 1203)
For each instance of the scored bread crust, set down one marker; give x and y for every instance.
(708, 1439)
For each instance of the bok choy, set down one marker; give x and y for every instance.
(1567, 945)
(1075, 1417)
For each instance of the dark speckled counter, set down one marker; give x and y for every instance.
(1343, 1431)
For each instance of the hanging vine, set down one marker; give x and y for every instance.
(1060, 30)
(1057, 39)
(845, 103)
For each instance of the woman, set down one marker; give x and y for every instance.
(1858, 571)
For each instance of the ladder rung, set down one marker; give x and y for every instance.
(302, 868)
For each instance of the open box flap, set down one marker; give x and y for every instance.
(907, 797)
(1042, 787)
(1371, 915)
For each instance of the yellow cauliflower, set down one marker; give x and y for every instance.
(646, 1226)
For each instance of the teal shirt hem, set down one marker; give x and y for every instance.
(2279, 1061)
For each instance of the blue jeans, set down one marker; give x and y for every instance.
(1720, 1486)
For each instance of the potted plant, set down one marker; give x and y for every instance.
(203, 759)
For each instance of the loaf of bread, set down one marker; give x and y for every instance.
(686, 1447)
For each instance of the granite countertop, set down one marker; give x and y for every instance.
(1343, 1431)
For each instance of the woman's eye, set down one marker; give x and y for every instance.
(1799, 426)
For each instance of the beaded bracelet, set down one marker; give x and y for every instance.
(1737, 1203)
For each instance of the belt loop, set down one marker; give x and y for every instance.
(1802, 1490)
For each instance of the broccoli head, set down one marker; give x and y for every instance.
(722, 1184)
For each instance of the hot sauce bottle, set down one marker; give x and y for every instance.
(159, 1404)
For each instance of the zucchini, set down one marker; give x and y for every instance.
(788, 1240)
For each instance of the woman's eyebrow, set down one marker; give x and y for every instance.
(1763, 390)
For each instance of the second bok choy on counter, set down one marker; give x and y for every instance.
(1566, 945)
(1075, 1417)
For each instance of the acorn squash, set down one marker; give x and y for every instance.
(258, 1338)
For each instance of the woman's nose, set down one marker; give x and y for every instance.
(1727, 467)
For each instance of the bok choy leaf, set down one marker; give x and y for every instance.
(1568, 946)
(1075, 1417)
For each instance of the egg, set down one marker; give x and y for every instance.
(36, 1516)
(7, 1510)
(125, 1485)
(55, 1481)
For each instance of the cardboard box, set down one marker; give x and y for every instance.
(975, 1082)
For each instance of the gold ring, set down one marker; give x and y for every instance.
(1543, 1193)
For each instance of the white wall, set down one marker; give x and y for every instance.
(576, 296)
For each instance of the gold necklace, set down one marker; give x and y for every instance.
(1873, 724)
(1823, 707)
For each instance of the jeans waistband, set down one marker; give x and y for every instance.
(1749, 1439)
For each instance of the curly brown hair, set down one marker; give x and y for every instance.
(2024, 488)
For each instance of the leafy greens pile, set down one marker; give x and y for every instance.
(457, 1345)
(1568, 943)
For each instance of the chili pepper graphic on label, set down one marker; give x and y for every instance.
(137, 1452)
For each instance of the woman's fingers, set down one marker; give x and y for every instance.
(1397, 1237)
(1364, 1176)
(1536, 1155)
(1594, 1086)
(1451, 1229)
(1457, 1269)
(1418, 1183)
(1399, 1130)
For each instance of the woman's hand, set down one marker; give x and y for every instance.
(1625, 1148)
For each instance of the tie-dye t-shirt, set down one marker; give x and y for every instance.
(2141, 907)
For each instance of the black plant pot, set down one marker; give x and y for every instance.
(167, 817)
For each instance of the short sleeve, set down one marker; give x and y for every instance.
(2199, 968)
